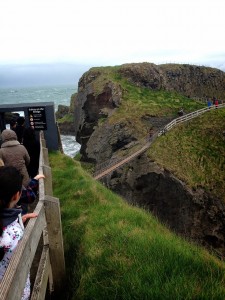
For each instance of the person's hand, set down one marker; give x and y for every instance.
(29, 216)
(39, 176)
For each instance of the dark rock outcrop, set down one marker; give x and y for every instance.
(65, 119)
(195, 215)
(189, 80)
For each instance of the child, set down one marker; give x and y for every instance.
(28, 194)
(11, 222)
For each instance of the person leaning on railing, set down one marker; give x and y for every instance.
(11, 221)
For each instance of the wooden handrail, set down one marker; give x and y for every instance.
(111, 165)
(51, 270)
(188, 117)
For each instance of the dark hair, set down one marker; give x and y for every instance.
(29, 134)
(20, 121)
(12, 122)
(10, 184)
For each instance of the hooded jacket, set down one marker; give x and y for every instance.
(14, 154)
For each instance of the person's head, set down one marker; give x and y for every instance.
(10, 185)
(29, 134)
(10, 188)
(12, 123)
(20, 121)
(8, 135)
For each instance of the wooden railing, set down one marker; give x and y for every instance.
(44, 230)
(188, 117)
(113, 164)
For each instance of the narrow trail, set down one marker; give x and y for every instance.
(116, 164)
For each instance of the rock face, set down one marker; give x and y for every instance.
(65, 120)
(90, 108)
(194, 214)
(189, 80)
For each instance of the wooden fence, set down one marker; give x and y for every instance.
(188, 117)
(111, 165)
(45, 230)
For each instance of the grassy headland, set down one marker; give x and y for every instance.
(117, 251)
(195, 152)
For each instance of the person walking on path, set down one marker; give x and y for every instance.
(209, 103)
(32, 144)
(14, 154)
(150, 134)
(216, 103)
(20, 129)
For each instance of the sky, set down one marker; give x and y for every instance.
(86, 33)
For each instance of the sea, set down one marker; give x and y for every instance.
(59, 94)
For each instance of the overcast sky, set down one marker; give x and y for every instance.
(112, 32)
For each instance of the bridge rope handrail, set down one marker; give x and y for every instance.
(113, 164)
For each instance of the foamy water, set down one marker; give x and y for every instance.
(70, 146)
(57, 94)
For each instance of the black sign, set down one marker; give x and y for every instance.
(37, 118)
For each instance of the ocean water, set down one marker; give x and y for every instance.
(57, 94)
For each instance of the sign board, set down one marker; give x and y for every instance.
(37, 118)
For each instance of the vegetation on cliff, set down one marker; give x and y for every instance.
(117, 251)
(195, 152)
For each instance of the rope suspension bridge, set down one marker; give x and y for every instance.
(110, 166)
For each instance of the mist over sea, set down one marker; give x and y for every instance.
(59, 94)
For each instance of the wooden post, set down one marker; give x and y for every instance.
(48, 180)
(43, 142)
(45, 156)
(54, 228)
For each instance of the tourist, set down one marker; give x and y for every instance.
(20, 129)
(14, 154)
(216, 103)
(32, 144)
(209, 103)
(11, 221)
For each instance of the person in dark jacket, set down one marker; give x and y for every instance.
(14, 154)
(32, 145)
(20, 129)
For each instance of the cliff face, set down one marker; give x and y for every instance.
(189, 80)
(194, 214)
(90, 108)
(99, 96)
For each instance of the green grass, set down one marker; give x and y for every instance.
(117, 251)
(69, 118)
(195, 152)
(138, 102)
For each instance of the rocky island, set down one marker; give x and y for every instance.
(115, 108)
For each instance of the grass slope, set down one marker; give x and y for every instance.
(195, 152)
(117, 251)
